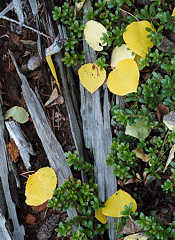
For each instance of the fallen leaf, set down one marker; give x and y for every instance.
(170, 157)
(52, 68)
(120, 53)
(136, 37)
(40, 208)
(117, 202)
(91, 77)
(169, 120)
(125, 78)
(100, 216)
(93, 32)
(13, 150)
(30, 219)
(136, 236)
(78, 6)
(141, 155)
(131, 227)
(19, 114)
(54, 95)
(173, 13)
(138, 130)
(40, 186)
(161, 111)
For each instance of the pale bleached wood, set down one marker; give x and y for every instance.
(52, 147)
(97, 133)
(18, 233)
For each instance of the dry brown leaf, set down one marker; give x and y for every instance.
(161, 111)
(131, 227)
(30, 219)
(53, 97)
(141, 155)
(13, 150)
(40, 208)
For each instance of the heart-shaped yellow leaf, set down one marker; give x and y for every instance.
(40, 186)
(125, 78)
(117, 202)
(93, 32)
(91, 77)
(120, 53)
(100, 216)
(136, 37)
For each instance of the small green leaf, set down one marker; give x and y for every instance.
(138, 130)
(19, 114)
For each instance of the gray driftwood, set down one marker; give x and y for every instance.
(97, 132)
(18, 233)
(50, 144)
(24, 146)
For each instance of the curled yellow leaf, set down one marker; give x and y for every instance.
(125, 78)
(120, 53)
(117, 202)
(91, 77)
(136, 37)
(100, 216)
(93, 32)
(40, 186)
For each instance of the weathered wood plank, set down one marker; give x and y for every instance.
(18, 233)
(52, 147)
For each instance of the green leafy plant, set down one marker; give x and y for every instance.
(80, 196)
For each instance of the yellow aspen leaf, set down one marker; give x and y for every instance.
(100, 216)
(136, 37)
(173, 13)
(91, 77)
(40, 186)
(52, 68)
(120, 53)
(117, 202)
(136, 236)
(93, 32)
(125, 78)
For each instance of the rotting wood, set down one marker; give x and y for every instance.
(18, 233)
(52, 147)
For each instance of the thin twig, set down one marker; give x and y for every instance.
(25, 26)
(129, 14)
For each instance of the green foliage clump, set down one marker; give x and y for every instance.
(169, 184)
(80, 196)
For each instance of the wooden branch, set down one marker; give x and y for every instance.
(18, 233)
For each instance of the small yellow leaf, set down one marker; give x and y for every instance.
(91, 77)
(116, 203)
(40, 186)
(93, 32)
(125, 78)
(52, 68)
(173, 13)
(78, 6)
(99, 215)
(136, 236)
(140, 154)
(136, 37)
(120, 53)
